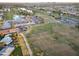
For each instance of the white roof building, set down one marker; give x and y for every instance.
(7, 51)
(18, 18)
(22, 9)
(6, 25)
(7, 40)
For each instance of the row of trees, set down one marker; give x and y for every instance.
(8, 15)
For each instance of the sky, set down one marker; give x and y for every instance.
(36, 1)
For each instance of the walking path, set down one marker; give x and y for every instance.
(27, 45)
(23, 45)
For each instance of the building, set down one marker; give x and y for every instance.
(8, 48)
(8, 31)
(6, 51)
(7, 40)
(6, 25)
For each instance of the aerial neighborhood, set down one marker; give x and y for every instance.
(39, 29)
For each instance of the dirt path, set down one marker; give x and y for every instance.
(27, 45)
(23, 45)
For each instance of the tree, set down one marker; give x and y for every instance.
(77, 26)
(2, 44)
(1, 6)
(8, 15)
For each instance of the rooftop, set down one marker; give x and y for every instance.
(7, 40)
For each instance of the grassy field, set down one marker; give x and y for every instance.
(55, 39)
